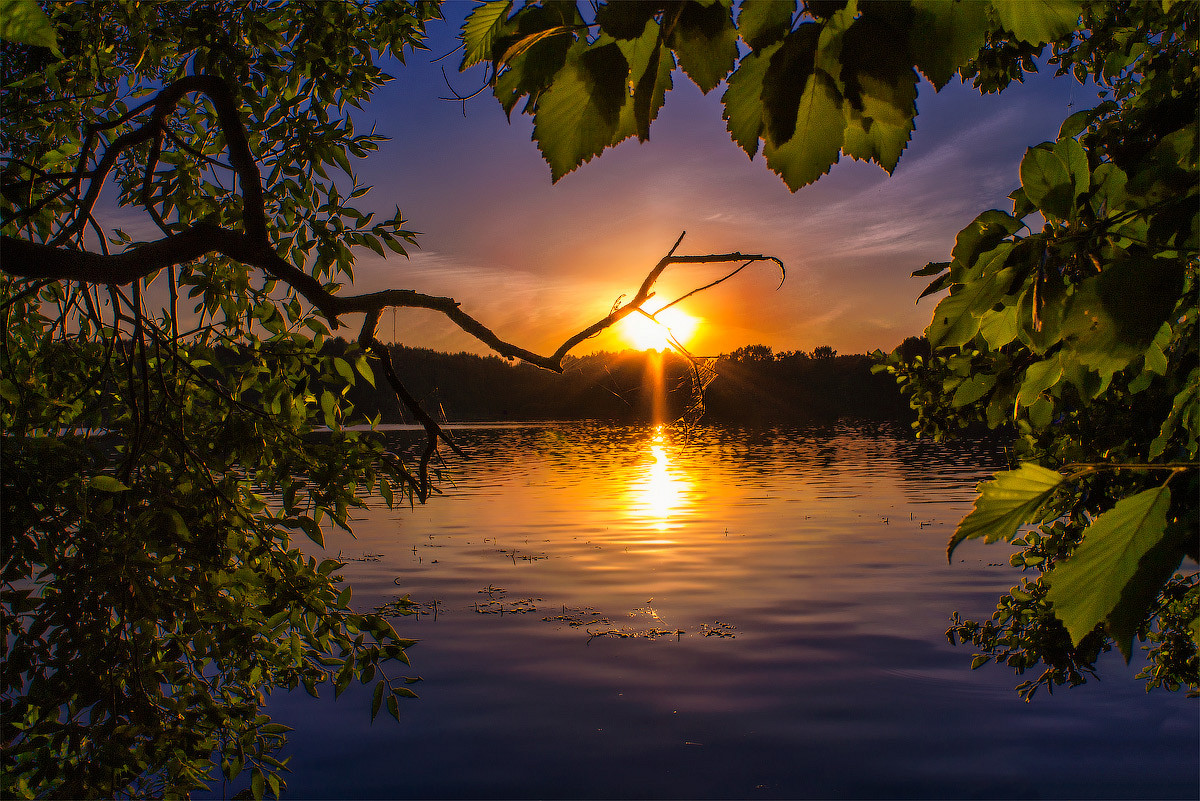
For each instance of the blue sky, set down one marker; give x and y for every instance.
(537, 261)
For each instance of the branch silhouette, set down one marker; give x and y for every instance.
(56, 260)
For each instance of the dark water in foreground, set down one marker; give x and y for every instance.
(806, 571)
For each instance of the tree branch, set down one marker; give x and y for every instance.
(251, 246)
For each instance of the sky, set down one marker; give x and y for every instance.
(537, 261)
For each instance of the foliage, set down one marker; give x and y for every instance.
(153, 481)
(1081, 339)
(812, 81)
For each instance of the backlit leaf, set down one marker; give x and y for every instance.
(957, 317)
(787, 80)
(945, 36)
(1038, 21)
(705, 42)
(983, 233)
(817, 141)
(1140, 595)
(1086, 586)
(1047, 182)
(763, 22)
(106, 484)
(578, 116)
(974, 388)
(24, 21)
(479, 31)
(1039, 377)
(743, 99)
(1010, 500)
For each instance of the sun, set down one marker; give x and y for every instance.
(646, 334)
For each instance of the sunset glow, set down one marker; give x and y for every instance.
(645, 334)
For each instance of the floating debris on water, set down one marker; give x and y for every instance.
(718, 629)
(366, 557)
(641, 634)
(405, 606)
(583, 616)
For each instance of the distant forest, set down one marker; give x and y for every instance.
(751, 384)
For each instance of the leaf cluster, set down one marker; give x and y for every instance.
(1080, 339)
(811, 81)
(157, 465)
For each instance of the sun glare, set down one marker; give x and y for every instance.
(646, 334)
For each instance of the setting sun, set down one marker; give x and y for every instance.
(645, 334)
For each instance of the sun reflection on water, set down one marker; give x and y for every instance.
(660, 493)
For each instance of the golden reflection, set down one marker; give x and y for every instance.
(660, 492)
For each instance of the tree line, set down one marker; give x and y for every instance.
(751, 384)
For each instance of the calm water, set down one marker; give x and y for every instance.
(629, 613)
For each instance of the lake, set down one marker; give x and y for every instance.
(638, 612)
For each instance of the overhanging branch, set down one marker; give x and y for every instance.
(57, 261)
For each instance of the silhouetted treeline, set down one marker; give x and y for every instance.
(751, 384)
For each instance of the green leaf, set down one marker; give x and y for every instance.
(258, 784)
(743, 99)
(1047, 182)
(393, 707)
(873, 140)
(957, 318)
(1140, 596)
(1000, 327)
(880, 82)
(974, 388)
(578, 116)
(945, 36)
(1076, 124)
(1010, 500)
(532, 71)
(377, 699)
(104, 483)
(364, 369)
(1113, 317)
(932, 268)
(705, 42)
(764, 22)
(328, 408)
(480, 29)
(982, 234)
(790, 72)
(24, 21)
(343, 369)
(1085, 587)
(1039, 377)
(312, 529)
(1071, 153)
(650, 66)
(1038, 21)
(814, 148)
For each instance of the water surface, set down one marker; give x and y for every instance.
(627, 612)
